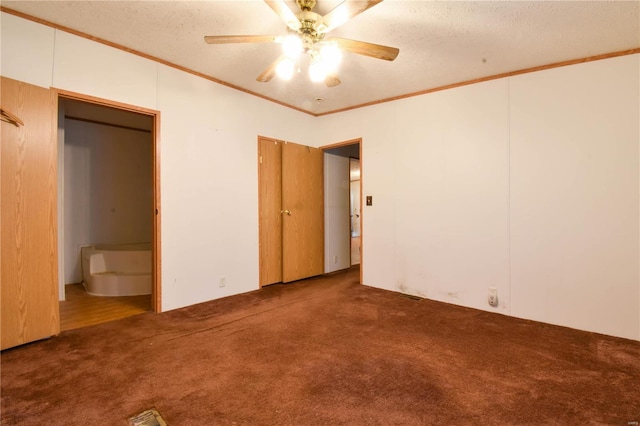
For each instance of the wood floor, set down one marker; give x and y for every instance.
(80, 309)
(355, 250)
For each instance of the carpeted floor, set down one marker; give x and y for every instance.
(324, 351)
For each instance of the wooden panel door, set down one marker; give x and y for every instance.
(29, 265)
(269, 206)
(303, 217)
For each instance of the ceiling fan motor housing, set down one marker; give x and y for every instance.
(309, 30)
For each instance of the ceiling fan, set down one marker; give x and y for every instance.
(307, 31)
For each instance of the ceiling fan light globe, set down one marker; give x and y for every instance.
(285, 69)
(292, 46)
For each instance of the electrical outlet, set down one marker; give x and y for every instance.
(335, 259)
(493, 296)
(223, 282)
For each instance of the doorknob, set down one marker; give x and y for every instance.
(286, 211)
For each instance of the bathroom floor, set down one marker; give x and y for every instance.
(80, 309)
(355, 250)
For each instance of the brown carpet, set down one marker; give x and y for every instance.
(324, 351)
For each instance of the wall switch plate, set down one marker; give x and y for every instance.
(369, 200)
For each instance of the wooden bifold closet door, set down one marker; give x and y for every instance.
(29, 265)
(291, 211)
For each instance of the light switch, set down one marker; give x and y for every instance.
(369, 200)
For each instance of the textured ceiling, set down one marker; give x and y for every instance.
(440, 42)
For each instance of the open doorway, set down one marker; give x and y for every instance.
(354, 209)
(108, 212)
(343, 216)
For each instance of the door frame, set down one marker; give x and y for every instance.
(156, 268)
(339, 145)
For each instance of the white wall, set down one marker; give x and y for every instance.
(27, 50)
(337, 244)
(528, 184)
(208, 149)
(210, 184)
(574, 196)
(452, 196)
(128, 78)
(377, 166)
(108, 189)
(494, 184)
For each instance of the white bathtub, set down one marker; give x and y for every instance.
(117, 269)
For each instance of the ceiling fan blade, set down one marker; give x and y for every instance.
(223, 39)
(332, 80)
(345, 11)
(367, 49)
(268, 74)
(280, 7)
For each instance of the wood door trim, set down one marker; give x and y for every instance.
(156, 299)
(105, 102)
(339, 145)
(344, 143)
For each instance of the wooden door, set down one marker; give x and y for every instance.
(291, 211)
(303, 217)
(269, 206)
(29, 265)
